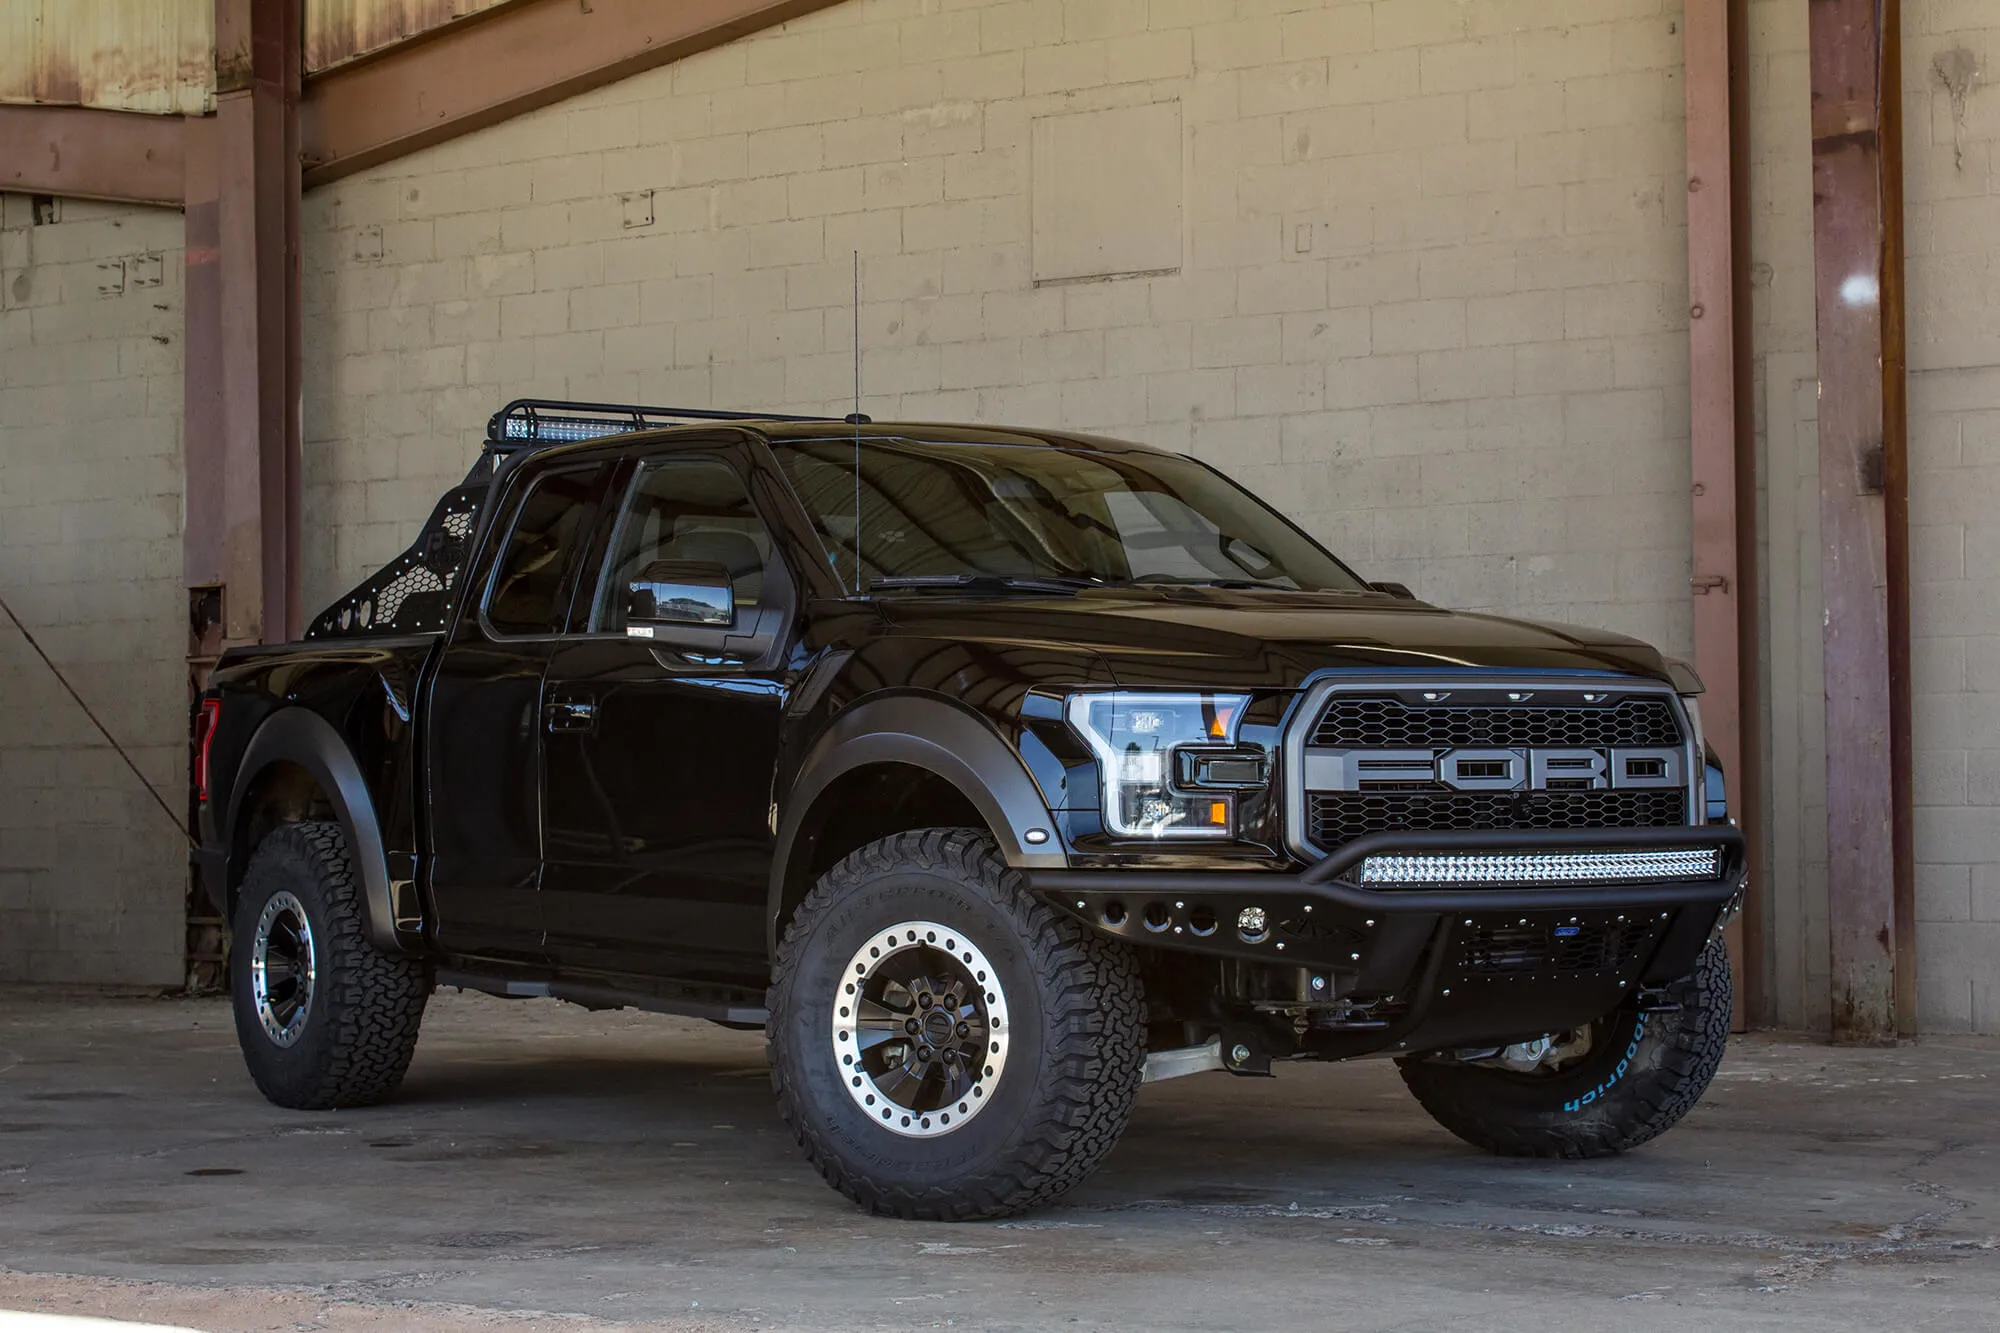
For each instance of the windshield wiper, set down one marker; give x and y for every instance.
(1056, 583)
(1176, 581)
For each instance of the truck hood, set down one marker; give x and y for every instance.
(1226, 638)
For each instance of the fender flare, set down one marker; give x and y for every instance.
(942, 738)
(300, 736)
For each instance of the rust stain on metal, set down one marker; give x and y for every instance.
(337, 31)
(116, 55)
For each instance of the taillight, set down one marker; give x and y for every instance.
(211, 711)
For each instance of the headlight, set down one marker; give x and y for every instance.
(1164, 758)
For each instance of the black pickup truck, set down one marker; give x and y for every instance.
(992, 772)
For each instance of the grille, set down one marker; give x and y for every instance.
(1334, 818)
(1368, 721)
(1604, 946)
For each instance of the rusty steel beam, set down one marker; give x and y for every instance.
(487, 67)
(1896, 526)
(121, 156)
(250, 483)
(1857, 261)
(1714, 441)
(1746, 785)
(201, 366)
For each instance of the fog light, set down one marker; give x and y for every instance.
(1250, 924)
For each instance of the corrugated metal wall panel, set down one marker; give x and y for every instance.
(340, 30)
(119, 55)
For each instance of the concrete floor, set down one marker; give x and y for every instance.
(551, 1168)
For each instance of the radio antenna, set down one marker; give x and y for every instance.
(855, 419)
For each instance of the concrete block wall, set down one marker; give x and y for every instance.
(1952, 182)
(92, 873)
(1430, 294)
(1793, 703)
(1952, 219)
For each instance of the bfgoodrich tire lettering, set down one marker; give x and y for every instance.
(1074, 1016)
(1644, 1071)
(351, 1041)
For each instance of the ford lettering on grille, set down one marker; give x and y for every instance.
(1508, 769)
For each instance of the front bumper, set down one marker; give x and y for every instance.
(1433, 967)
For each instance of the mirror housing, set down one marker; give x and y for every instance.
(679, 592)
(1394, 590)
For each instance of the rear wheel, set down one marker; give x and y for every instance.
(944, 1045)
(1613, 1085)
(325, 1019)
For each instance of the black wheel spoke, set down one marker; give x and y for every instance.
(869, 1012)
(901, 1085)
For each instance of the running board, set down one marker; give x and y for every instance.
(1163, 1065)
(606, 997)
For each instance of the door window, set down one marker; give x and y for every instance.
(685, 509)
(528, 583)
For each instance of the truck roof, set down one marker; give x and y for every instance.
(535, 423)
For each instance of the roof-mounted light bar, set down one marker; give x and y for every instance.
(530, 421)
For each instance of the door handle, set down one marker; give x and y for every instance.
(572, 714)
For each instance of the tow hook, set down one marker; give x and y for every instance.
(1656, 1000)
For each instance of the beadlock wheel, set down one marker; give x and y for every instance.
(282, 968)
(944, 1044)
(920, 1029)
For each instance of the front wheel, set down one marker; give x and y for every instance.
(1626, 1078)
(945, 1046)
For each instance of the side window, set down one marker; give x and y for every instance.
(526, 595)
(693, 509)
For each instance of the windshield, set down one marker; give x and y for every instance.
(943, 511)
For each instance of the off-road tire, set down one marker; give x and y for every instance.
(366, 1006)
(1077, 1019)
(1644, 1071)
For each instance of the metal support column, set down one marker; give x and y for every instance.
(244, 338)
(1858, 276)
(1715, 442)
(241, 376)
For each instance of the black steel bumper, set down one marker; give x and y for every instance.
(1455, 966)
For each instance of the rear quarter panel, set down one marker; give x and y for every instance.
(364, 689)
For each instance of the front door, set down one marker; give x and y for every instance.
(483, 740)
(661, 749)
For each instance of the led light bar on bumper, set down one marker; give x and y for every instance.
(1168, 760)
(1518, 868)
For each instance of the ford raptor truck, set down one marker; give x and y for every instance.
(991, 772)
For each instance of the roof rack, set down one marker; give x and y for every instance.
(526, 422)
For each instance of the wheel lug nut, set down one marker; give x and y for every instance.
(911, 1027)
(924, 1000)
(963, 1030)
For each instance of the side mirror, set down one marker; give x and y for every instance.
(1394, 590)
(679, 592)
